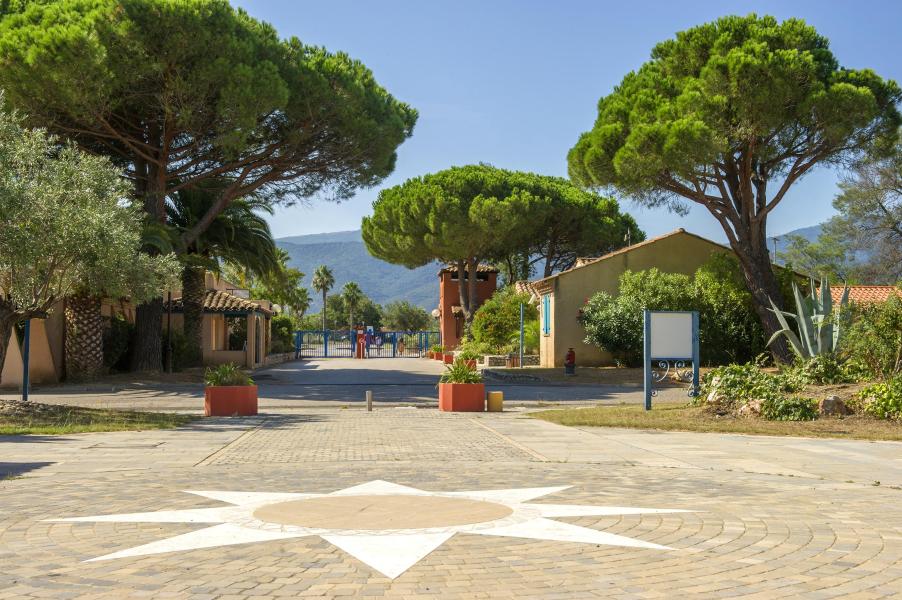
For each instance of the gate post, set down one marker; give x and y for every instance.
(394, 344)
(326, 344)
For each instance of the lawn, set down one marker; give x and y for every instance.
(18, 417)
(678, 416)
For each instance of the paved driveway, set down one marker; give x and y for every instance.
(337, 382)
(766, 517)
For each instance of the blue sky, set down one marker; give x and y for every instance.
(514, 83)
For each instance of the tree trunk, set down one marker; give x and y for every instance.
(324, 309)
(147, 354)
(7, 320)
(472, 275)
(763, 285)
(462, 288)
(193, 293)
(84, 337)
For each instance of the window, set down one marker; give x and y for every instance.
(546, 314)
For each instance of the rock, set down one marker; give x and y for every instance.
(751, 409)
(833, 405)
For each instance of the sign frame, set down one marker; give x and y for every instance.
(664, 362)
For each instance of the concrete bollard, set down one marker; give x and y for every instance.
(369, 400)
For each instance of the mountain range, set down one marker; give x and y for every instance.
(345, 253)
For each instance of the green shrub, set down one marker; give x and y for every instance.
(460, 372)
(469, 354)
(734, 386)
(825, 369)
(117, 342)
(283, 328)
(478, 348)
(437, 348)
(874, 338)
(729, 329)
(499, 318)
(227, 374)
(184, 355)
(883, 400)
(789, 409)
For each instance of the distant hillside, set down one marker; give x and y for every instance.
(809, 233)
(345, 253)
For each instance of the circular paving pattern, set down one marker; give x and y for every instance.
(381, 512)
(751, 536)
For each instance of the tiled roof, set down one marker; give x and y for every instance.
(526, 287)
(221, 302)
(866, 294)
(482, 268)
(543, 284)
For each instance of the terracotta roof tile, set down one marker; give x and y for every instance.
(866, 294)
(219, 301)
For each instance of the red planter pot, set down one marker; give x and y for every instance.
(230, 400)
(471, 363)
(438, 356)
(461, 397)
(449, 359)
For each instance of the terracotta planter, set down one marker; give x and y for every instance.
(449, 359)
(471, 363)
(461, 397)
(438, 356)
(230, 400)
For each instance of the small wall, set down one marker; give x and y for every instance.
(41, 367)
(275, 359)
(220, 357)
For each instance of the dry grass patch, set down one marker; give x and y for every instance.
(17, 417)
(677, 416)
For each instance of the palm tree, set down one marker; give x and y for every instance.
(352, 296)
(238, 235)
(323, 280)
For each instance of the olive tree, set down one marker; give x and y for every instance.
(67, 230)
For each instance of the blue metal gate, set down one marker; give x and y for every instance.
(379, 344)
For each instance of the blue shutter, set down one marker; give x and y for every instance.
(546, 314)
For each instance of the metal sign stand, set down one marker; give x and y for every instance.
(671, 350)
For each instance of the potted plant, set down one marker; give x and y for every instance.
(438, 352)
(461, 389)
(229, 392)
(447, 357)
(470, 357)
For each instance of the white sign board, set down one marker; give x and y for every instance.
(671, 335)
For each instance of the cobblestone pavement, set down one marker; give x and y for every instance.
(331, 382)
(769, 520)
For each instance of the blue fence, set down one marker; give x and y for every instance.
(380, 344)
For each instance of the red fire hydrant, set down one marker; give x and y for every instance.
(570, 362)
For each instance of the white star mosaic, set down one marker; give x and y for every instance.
(378, 523)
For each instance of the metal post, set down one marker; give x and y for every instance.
(521, 335)
(646, 360)
(26, 348)
(696, 354)
(169, 335)
(369, 401)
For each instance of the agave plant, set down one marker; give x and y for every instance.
(819, 331)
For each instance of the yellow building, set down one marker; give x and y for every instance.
(561, 296)
(235, 329)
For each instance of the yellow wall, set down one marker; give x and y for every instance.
(677, 253)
